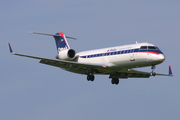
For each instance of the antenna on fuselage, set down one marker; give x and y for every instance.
(136, 42)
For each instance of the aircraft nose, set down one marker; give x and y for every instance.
(161, 57)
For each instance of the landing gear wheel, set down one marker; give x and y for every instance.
(115, 81)
(90, 77)
(112, 81)
(153, 74)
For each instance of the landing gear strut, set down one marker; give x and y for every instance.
(90, 77)
(153, 73)
(115, 81)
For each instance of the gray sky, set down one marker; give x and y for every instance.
(33, 91)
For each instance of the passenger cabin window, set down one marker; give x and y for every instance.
(143, 47)
(136, 50)
(151, 47)
(132, 51)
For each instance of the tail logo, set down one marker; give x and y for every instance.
(59, 49)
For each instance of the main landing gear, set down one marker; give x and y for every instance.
(153, 73)
(90, 77)
(115, 81)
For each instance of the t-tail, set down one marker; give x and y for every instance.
(63, 49)
(60, 39)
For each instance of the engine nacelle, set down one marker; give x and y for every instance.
(67, 54)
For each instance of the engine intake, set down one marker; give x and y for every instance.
(67, 54)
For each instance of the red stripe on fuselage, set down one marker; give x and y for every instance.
(62, 34)
(150, 52)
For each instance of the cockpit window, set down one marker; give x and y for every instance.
(151, 47)
(158, 48)
(143, 47)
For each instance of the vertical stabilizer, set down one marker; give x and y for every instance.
(61, 42)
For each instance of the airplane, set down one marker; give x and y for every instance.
(117, 62)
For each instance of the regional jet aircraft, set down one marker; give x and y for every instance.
(117, 62)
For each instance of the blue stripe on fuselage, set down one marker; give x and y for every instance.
(120, 52)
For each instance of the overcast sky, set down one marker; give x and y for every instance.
(33, 91)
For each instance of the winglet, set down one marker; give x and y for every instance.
(170, 71)
(10, 48)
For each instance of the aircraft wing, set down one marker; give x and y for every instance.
(72, 66)
(137, 74)
(130, 74)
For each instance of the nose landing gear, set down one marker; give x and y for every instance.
(153, 73)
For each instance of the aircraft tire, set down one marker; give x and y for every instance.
(115, 81)
(88, 77)
(153, 74)
(92, 77)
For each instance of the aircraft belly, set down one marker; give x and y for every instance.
(99, 60)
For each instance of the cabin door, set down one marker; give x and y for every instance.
(132, 55)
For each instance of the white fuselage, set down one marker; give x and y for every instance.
(122, 57)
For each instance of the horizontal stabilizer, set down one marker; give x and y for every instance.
(51, 35)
